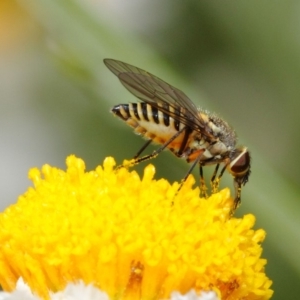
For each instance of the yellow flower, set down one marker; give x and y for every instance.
(133, 238)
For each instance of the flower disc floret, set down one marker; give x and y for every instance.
(134, 238)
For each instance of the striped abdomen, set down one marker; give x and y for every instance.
(151, 123)
(158, 126)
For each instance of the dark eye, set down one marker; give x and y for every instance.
(240, 162)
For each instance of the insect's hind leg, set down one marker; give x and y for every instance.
(132, 162)
(136, 160)
(142, 149)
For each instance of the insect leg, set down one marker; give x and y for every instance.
(221, 173)
(237, 199)
(213, 177)
(142, 149)
(203, 187)
(213, 182)
(202, 181)
(189, 172)
(154, 154)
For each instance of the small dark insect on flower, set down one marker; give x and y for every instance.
(168, 117)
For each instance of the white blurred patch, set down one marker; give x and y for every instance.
(73, 291)
(80, 291)
(193, 295)
(22, 292)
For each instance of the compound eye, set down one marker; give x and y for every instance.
(240, 163)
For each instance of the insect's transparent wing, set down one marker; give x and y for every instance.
(157, 93)
(118, 67)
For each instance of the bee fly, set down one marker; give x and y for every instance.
(168, 117)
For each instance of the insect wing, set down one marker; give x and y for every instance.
(157, 93)
(118, 67)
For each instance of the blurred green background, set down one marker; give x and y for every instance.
(240, 59)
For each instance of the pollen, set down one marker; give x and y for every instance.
(133, 237)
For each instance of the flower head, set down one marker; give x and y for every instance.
(134, 238)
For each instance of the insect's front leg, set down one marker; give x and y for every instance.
(238, 190)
